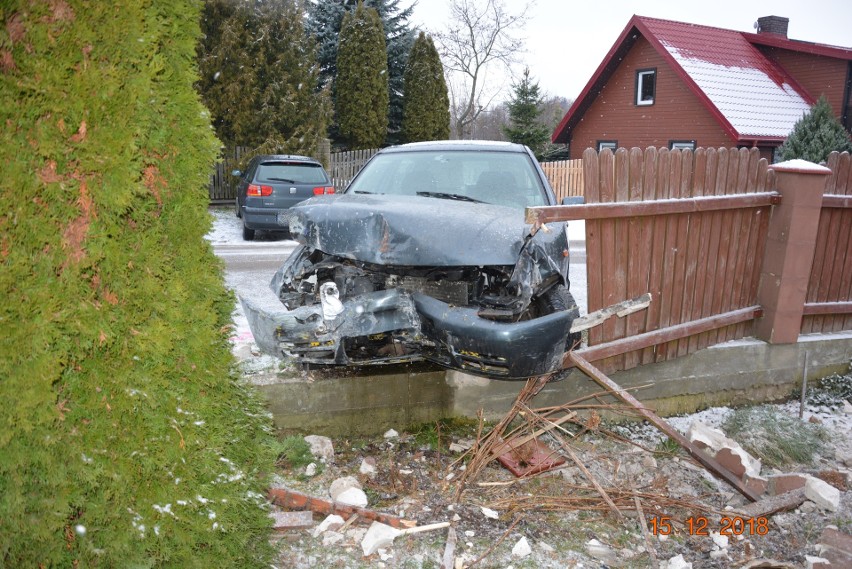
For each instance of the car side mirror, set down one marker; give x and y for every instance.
(573, 200)
(236, 173)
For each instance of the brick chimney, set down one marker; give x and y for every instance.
(773, 25)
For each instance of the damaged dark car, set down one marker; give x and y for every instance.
(426, 256)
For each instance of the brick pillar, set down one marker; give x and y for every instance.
(789, 253)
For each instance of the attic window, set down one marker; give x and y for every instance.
(646, 86)
(611, 144)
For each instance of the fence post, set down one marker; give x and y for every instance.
(789, 252)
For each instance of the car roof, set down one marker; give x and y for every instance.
(288, 157)
(474, 145)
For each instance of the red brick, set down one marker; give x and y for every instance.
(783, 483)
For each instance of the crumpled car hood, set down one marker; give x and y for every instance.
(410, 230)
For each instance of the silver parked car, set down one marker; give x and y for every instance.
(271, 185)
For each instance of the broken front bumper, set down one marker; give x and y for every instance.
(395, 326)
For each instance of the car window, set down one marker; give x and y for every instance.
(294, 172)
(504, 178)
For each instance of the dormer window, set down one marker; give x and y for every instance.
(646, 86)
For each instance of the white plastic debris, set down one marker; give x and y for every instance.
(676, 562)
(353, 497)
(522, 548)
(341, 485)
(330, 301)
(378, 536)
(600, 551)
(489, 513)
(330, 523)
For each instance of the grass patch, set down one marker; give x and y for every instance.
(438, 435)
(667, 447)
(777, 440)
(294, 452)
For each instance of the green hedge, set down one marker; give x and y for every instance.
(125, 437)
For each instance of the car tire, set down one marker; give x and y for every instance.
(557, 299)
(248, 234)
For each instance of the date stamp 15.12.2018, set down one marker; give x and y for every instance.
(700, 525)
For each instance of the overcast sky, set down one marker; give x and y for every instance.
(567, 40)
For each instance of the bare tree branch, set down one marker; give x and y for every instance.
(481, 34)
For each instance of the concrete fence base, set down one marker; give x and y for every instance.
(737, 373)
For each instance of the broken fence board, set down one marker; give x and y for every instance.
(620, 393)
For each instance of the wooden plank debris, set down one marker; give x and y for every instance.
(781, 502)
(448, 561)
(621, 310)
(709, 463)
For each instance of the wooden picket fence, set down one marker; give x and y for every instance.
(565, 176)
(344, 165)
(831, 273)
(692, 228)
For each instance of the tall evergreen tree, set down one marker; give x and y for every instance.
(325, 18)
(524, 111)
(259, 76)
(426, 113)
(362, 79)
(816, 135)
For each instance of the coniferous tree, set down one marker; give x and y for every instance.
(816, 135)
(259, 76)
(120, 400)
(362, 79)
(524, 111)
(325, 18)
(426, 113)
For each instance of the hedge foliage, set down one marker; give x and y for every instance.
(125, 438)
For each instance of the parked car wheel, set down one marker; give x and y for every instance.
(248, 234)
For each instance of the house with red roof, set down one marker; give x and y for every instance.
(679, 85)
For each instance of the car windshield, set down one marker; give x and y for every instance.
(503, 178)
(291, 172)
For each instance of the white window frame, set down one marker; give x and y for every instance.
(641, 74)
(682, 145)
(611, 144)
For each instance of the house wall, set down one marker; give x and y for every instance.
(677, 113)
(819, 75)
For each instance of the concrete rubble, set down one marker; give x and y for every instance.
(726, 451)
(321, 447)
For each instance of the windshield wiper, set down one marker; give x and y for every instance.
(362, 192)
(282, 180)
(445, 196)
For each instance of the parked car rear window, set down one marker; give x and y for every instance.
(502, 178)
(296, 172)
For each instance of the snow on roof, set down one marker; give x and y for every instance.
(753, 95)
